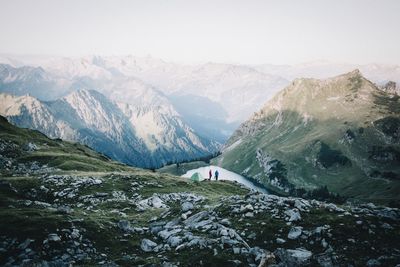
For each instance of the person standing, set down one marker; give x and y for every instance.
(209, 175)
(216, 175)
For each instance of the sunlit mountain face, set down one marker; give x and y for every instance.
(341, 132)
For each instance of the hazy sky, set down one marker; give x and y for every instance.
(354, 31)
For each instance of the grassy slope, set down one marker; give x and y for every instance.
(292, 141)
(76, 159)
(182, 168)
(34, 222)
(54, 152)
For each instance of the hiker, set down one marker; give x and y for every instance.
(216, 175)
(209, 175)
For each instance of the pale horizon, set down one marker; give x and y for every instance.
(28, 59)
(238, 32)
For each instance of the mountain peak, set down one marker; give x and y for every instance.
(320, 98)
(85, 93)
(354, 73)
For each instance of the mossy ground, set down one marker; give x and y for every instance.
(182, 168)
(36, 222)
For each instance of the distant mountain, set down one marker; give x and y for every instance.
(238, 90)
(232, 90)
(229, 93)
(31, 80)
(322, 69)
(204, 115)
(343, 133)
(145, 135)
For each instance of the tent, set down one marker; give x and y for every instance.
(196, 177)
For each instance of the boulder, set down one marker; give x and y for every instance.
(165, 234)
(223, 232)
(125, 226)
(225, 222)
(294, 257)
(249, 214)
(157, 203)
(280, 241)
(293, 215)
(246, 208)
(174, 241)
(186, 206)
(75, 234)
(147, 245)
(196, 218)
(295, 232)
(54, 238)
(325, 259)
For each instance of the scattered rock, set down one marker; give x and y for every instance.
(156, 202)
(75, 234)
(295, 232)
(147, 245)
(186, 206)
(292, 215)
(54, 238)
(125, 226)
(280, 241)
(249, 214)
(294, 257)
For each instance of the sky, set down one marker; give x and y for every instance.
(246, 32)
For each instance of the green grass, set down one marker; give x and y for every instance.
(100, 227)
(55, 153)
(292, 141)
(182, 168)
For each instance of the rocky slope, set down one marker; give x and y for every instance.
(342, 133)
(145, 134)
(107, 214)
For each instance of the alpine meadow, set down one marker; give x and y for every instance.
(199, 133)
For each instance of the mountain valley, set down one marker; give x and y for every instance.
(141, 135)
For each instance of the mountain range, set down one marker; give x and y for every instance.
(141, 135)
(155, 103)
(342, 133)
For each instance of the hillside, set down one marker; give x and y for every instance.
(147, 133)
(342, 133)
(63, 204)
